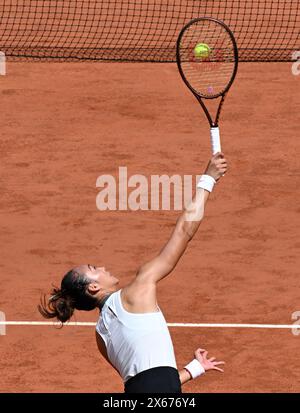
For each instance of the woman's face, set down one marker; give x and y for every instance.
(99, 276)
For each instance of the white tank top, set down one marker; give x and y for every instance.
(134, 342)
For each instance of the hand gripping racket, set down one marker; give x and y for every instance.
(207, 59)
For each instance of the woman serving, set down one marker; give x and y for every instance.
(132, 333)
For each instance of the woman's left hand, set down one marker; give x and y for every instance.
(208, 364)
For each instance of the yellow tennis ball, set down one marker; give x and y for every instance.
(202, 50)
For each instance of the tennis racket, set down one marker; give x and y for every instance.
(207, 59)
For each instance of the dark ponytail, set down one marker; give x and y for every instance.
(72, 295)
(59, 306)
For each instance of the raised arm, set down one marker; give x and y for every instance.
(186, 226)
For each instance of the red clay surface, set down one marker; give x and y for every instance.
(62, 126)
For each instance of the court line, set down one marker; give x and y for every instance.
(186, 325)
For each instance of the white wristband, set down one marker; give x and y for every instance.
(206, 182)
(195, 368)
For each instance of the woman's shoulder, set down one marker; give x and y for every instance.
(138, 297)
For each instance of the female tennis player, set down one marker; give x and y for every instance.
(132, 333)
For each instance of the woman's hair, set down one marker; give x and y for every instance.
(72, 295)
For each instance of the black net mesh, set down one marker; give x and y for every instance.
(141, 30)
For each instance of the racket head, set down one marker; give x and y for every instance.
(211, 76)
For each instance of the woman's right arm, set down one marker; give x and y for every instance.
(185, 229)
(140, 294)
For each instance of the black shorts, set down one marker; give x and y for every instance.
(156, 380)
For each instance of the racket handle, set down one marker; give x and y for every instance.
(215, 140)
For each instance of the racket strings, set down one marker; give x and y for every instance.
(210, 75)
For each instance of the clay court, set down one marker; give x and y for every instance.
(64, 125)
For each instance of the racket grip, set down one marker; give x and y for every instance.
(215, 140)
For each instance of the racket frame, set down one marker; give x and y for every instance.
(199, 97)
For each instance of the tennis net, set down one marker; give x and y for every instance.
(141, 30)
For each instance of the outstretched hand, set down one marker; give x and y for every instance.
(217, 166)
(208, 364)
